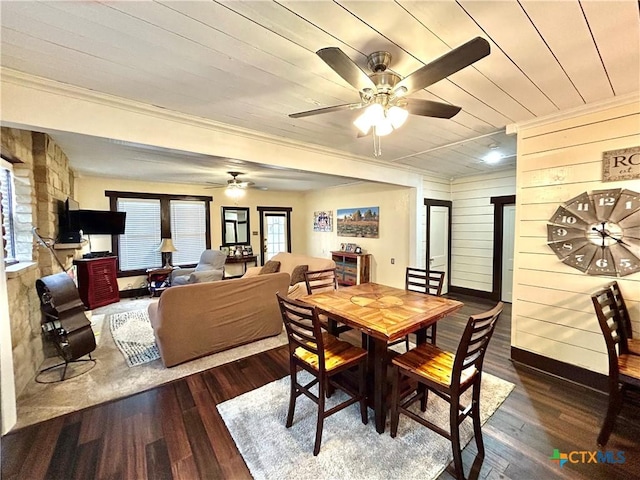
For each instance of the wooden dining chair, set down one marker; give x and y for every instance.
(324, 356)
(633, 344)
(322, 281)
(624, 368)
(448, 376)
(429, 282)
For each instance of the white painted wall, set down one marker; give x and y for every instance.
(397, 206)
(558, 159)
(472, 227)
(8, 414)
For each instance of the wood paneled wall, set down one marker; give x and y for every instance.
(557, 160)
(472, 227)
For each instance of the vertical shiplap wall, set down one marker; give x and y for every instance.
(472, 227)
(432, 188)
(552, 312)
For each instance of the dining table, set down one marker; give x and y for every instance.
(385, 314)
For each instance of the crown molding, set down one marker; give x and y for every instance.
(16, 77)
(570, 113)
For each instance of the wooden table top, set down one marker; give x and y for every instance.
(380, 311)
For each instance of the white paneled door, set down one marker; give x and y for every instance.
(508, 230)
(438, 247)
(275, 241)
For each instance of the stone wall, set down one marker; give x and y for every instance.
(42, 181)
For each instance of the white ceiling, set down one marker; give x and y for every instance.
(250, 64)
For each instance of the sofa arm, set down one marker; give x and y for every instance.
(180, 272)
(206, 276)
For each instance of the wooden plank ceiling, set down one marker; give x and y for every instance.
(250, 64)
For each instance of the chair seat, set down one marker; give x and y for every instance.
(634, 345)
(629, 367)
(337, 354)
(432, 364)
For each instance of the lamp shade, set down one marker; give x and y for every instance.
(166, 245)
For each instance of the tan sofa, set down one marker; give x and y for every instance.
(289, 261)
(191, 321)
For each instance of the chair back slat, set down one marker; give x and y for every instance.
(609, 320)
(621, 305)
(303, 327)
(474, 342)
(321, 280)
(424, 281)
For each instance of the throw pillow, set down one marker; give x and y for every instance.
(271, 266)
(298, 274)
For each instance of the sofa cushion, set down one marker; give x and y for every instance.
(270, 267)
(298, 274)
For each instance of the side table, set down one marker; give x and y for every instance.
(158, 280)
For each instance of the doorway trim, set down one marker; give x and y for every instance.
(265, 210)
(498, 219)
(428, 203)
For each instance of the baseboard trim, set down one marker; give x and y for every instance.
(566, 371)
(470, 292)
(134, 293)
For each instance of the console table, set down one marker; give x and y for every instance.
(242, 260)
(97, 281)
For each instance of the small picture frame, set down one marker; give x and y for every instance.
(247, 250)
(358, 250)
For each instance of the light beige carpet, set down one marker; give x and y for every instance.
(111, 378)
(349, 448)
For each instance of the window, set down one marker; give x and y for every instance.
(7, 210)
(152, 217)
(187, 230)
(137, 247)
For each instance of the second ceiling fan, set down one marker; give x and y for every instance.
(384, 93)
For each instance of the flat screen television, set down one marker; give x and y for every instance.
(97, 222)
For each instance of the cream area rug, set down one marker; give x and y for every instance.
(349, 448)
(111, 378)
(133, 335)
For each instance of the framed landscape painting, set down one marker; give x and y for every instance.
(323, 221)
(358, 222)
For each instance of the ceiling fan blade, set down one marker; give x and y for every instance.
(346, 68)
(442, 67)
(335, 108)
(427, 108)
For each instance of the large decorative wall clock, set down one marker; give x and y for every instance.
(598, 233)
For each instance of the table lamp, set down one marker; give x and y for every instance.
(166, 247)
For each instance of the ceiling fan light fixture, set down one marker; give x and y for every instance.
(363, 123)
(234, 191)
(397, 116)
(383, 127)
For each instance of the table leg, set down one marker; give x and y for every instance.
(378, 357)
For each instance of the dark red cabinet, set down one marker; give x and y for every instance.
(97, 281)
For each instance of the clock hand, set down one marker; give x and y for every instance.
(604, 234)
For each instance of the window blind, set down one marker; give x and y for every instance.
(188, 230)
(6, 212)
(137, 247)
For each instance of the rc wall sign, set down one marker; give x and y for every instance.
(621, 164)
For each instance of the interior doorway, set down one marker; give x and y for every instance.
(503, 246)
(275, 231)
(438, 238)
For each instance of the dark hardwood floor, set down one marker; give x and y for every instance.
(174, 431)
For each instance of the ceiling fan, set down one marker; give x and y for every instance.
(235, 187)
(384, 93)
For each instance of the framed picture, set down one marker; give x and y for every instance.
(323, 221)
(247, 250)
(358, 222)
